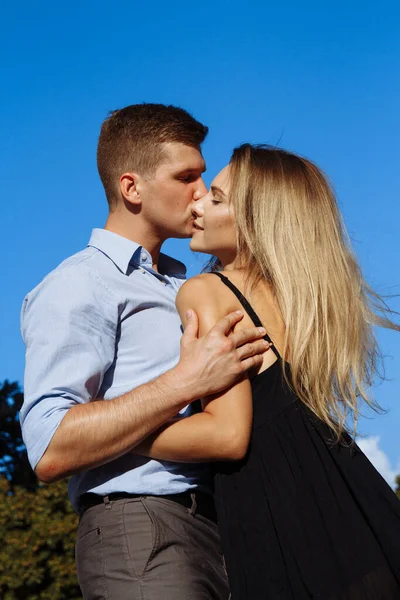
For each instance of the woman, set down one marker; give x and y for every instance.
(302, 512)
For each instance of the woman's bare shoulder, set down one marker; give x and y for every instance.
(198, 291)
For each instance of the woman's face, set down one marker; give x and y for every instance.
(214, 223)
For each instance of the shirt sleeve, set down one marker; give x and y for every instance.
(69, 324)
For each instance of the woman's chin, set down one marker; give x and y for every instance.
(195, 246)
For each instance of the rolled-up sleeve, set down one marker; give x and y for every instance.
(69, 326)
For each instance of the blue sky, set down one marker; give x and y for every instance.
(321, 79)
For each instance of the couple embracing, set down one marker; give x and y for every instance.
(223, 454)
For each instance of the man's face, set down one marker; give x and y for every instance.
(167, 196)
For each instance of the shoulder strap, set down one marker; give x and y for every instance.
(246, 305)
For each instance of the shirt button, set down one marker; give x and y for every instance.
(143, 258)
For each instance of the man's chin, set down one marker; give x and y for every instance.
(180, 235)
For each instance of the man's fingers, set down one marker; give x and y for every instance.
(256, 348)
(225, 325)
(247, 335)
(251, 362)
(191, 327)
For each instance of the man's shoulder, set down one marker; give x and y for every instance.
(82, 270)
(79, 259)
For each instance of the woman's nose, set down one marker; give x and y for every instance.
(201, 190)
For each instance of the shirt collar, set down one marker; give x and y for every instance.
(124, 252)
(171, 266)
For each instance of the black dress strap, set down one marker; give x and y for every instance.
(246, 305)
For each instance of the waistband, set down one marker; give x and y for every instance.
(196, 502)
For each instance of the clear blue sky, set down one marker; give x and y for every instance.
(322, 78)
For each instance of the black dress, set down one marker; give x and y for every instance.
(301, 517)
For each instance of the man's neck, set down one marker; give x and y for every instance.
(142, 236)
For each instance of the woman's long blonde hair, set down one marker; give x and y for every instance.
(290, 233)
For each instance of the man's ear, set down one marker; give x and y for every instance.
(128, 183)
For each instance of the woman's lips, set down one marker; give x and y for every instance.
(197, 227)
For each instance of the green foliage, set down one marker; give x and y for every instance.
(37, 523)
(37, 530)
(398, 486)
(13, 459)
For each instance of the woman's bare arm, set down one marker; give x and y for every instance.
(222, 430)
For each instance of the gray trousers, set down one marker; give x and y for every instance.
(149, 548)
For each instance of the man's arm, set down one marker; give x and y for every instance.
(76, 433)
(221, 432)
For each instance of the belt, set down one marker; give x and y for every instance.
(196, 502)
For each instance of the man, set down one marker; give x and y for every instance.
(103, 371)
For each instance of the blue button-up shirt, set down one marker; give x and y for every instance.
(99, 325)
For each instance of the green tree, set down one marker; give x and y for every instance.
(397, 490)
(13, 459)
(37, 529)
(37, 522)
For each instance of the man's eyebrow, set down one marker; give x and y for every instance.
(216, 190)
(202, 169)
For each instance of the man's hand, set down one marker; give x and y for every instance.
(216, 361)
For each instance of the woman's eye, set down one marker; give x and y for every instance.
(214, 201)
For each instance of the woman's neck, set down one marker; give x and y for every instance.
(231, 264)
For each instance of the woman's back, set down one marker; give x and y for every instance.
(301, 517)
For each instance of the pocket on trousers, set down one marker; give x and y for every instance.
(142, 535)
(90, 564)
